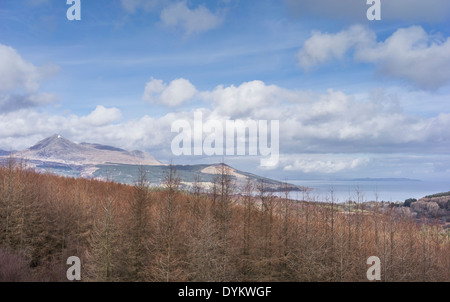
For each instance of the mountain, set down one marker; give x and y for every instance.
(4, 153)
(59, 155)
(60, 150)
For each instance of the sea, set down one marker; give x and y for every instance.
(387, 190)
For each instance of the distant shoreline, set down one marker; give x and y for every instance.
(380, 179)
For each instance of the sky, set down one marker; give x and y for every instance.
(354, 98)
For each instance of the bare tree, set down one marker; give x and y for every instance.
(167, 230)
(139, 228)
(104, 242)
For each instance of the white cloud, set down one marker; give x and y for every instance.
(248, 99)
(153, 89)
(310, 123)
(409, 53)
(102, 116)
(16, 73)
(406, 10)
(412, 54)
(20, 81)
(175, 94)
(341, 123)
(179, 15)
(323, 47)
(334, 121)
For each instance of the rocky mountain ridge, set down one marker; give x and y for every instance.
(58, 149)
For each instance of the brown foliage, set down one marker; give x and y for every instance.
(138, 233)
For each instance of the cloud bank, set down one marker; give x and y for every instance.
(319, 132)
(409, 53)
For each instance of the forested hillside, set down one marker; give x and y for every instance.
(138, 233)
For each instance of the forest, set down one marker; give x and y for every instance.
(142, 233)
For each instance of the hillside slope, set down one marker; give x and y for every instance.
(57, 149)
(61, 156)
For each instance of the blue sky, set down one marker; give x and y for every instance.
(355, 98)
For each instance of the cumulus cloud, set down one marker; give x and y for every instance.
(198, 20)
(313, 124)
(242, 100)
(344, 123)
(392, 10)
(412, 54)
(409, 53)
(102, 116)
(20, 81)
(323, 47)
(175, 94)
(16, 72)
(254, 98)
(333, 122)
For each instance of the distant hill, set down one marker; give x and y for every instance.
(433, 208)
(207, 173)
(4, 153)
(381, 179)
(59, 155)
(445, 194)
(57, 149)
